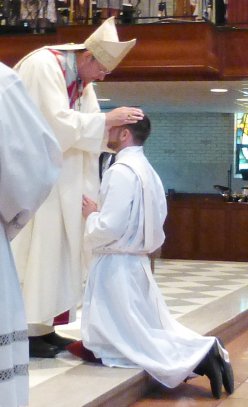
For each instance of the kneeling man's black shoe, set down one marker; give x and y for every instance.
(40, 349)
(227, 372)
(210, 366)
(227, 376)
(60, 341)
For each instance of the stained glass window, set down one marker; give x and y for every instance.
(241, 143)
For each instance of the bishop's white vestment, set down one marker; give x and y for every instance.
(30, 160)
(48, 252)
(125, 320)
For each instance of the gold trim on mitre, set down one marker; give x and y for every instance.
(104, 44)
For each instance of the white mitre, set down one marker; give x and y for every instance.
(104, 44)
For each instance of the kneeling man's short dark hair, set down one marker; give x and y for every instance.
(140, 130)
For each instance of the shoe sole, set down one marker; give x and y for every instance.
(42, 355)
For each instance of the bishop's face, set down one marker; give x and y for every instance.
(89, 69)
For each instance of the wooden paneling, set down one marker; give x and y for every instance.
(233, 53)
(237, 233)
(178, 230)
(15, 47)
(203, 227)
(237, 12)
(211, 226)
(166, 52)
(174, 51)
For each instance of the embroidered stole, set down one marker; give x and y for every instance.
(67, 63)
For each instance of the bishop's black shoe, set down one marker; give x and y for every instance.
(227, 372)
(56, 340)
(38, 348)
(211, 367)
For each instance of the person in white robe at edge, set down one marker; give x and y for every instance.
(125, 321)
(30, 160)
(49, 252)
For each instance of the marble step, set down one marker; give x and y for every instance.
(91, 386)
(88, 385)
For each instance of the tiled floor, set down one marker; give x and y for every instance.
(201, 295)
(188, 285)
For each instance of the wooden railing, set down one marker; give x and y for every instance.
(174, 51)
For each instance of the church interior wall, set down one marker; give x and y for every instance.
(193, 151)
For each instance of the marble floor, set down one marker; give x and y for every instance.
(189, 285)
(202, 295)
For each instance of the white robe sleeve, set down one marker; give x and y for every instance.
(30, 157)
(45, 82)
(110, 224)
